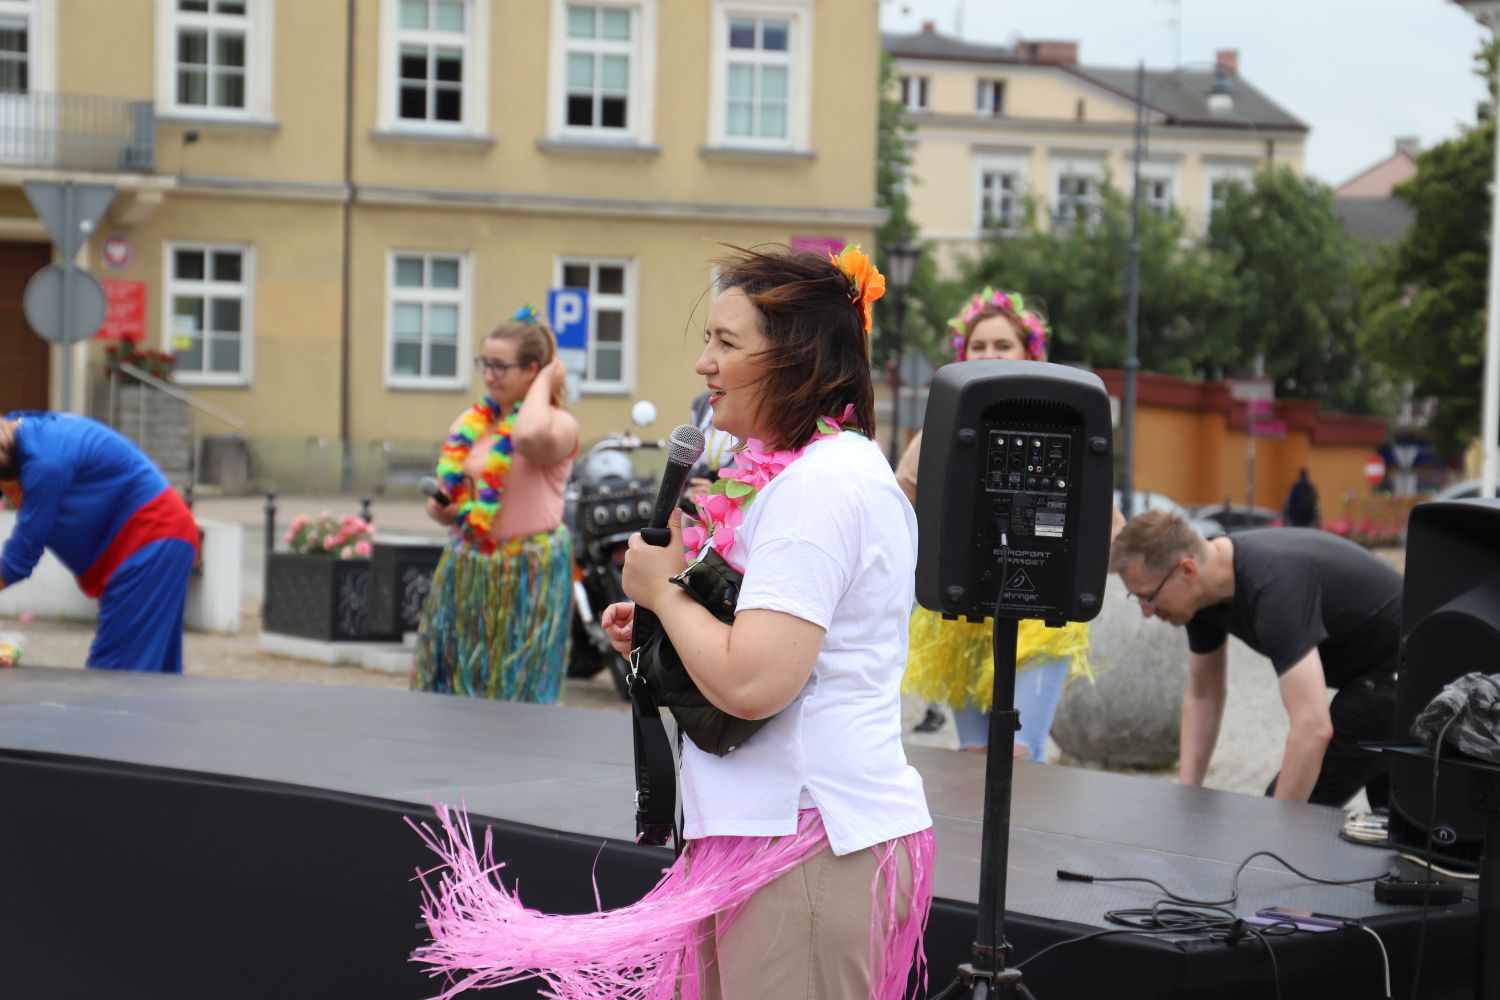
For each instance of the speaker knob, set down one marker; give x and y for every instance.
(966, 435)
(955, 594)
(1088, 602)
(1098, 445)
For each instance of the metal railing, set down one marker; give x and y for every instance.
(197, 405)
(77, 132)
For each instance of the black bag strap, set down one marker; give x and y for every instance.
(655, 767)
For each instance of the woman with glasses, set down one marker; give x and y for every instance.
(497, 618)
(952, 663)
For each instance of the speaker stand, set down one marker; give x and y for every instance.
(987, 976)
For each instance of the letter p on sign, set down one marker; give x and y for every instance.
(568, 312)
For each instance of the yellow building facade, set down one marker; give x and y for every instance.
(344, 196)
(994, 126)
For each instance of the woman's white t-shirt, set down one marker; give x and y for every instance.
(833, 541)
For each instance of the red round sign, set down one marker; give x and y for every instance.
(1374, 469)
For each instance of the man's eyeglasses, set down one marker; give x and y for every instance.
(496, 367)
(1151, 597)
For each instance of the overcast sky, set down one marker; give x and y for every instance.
(1358, 72)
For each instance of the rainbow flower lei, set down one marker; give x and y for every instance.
(1037, 332)
(476, 513)
(723, 509)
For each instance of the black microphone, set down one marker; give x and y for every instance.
(430, 488)
(684, 448)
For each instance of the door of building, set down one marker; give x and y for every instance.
(24, 357)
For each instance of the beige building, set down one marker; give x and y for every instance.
(994, 126)
(331, 201)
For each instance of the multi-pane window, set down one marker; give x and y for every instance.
(432, 43)
(1077, 199)
(427, 307)
(914, 92)
(989, 97)
(759, 78)
(999, 199)
(1218, 193)
(208, 296)
(15, 45)
(1156, 194)
(609, 309)
(599, 52)
(212, 44)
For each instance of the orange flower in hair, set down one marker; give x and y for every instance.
(866, 283)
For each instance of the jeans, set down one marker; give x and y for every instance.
(1038, 690)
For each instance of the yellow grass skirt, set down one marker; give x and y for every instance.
(952, 662)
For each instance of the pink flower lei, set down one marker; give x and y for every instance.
(723, 510)
(1036, 330)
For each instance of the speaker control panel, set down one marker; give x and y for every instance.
(1027, 480)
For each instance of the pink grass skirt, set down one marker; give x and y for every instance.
(483, 937)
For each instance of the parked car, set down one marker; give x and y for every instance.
(1466, 490)
(1238, 517)
(1146, 500)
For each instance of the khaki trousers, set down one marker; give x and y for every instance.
(805, 936)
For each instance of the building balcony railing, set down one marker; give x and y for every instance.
(77, 132)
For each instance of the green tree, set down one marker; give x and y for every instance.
(927, 297)
(1425, 299)
(1078, 276)
(1296, 298)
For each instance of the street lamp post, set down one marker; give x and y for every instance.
(1220, 102)
(1487, 12)
(900, 265)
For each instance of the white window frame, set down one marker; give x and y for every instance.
(984, 97)
(993, 164)
(799, 15)
(206, 288)
(628, 303)
(475, 114)
(259, 21)
(1242, 171)
(640, 110)
(1087, 168)
(916, 91)
(463, 297)
(1160, 173)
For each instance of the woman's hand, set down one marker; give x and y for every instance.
(444, 514)
(649, 568)
(619, 624)
(554, 375)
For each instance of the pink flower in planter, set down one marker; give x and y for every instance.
(346, 553)
(328, 544)
(362, 548)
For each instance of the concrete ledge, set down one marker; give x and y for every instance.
(385, 657)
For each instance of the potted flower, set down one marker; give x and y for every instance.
(319, 587)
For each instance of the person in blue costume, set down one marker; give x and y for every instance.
(110, 516)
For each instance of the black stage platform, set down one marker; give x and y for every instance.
(180, 837)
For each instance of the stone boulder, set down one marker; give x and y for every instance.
(1128, 716)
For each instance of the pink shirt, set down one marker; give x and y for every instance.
(532, 500)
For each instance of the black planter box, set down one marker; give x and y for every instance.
(318, 597)
(400, 576)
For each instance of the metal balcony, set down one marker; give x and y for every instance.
(77, 132)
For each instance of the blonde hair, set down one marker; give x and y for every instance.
(535, 344)
(1158, 538)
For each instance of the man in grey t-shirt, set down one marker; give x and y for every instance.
(1326, 612)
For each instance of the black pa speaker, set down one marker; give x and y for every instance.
(1450, 626)
(1014, 492)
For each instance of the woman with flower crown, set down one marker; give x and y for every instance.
(808, 865)
(497, 619)
(952, 662)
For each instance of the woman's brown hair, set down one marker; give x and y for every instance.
(535, 345)
(817, 359)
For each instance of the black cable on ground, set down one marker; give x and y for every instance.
(1437, 753)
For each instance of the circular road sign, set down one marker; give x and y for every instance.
(1374, 469)
(43, 305)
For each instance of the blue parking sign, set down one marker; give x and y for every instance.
(568, 314)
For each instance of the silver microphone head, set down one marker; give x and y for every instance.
(685, 445)
(429, 486)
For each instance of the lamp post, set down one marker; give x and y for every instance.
(1220, 102)
(901, 265)
(1487, 12)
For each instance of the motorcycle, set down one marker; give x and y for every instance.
(604, 503)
